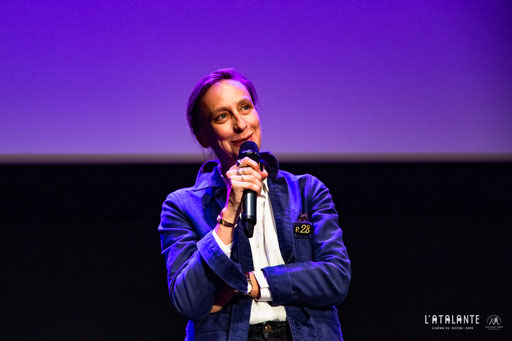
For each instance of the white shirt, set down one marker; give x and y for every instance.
(265, 252)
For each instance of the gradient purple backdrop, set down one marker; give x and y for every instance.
(113, 77)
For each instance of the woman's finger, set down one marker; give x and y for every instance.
(254, 178)
(243, 185)
(249, 171)
(248, 162)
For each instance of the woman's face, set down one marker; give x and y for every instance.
(232, 119)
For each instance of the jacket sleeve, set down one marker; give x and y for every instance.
(325, 280)
(196, 266)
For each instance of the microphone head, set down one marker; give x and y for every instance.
(249, 149)
(248, 146)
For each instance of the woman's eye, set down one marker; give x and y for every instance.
(246, 107)
(221, 117)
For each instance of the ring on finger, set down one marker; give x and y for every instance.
(238, 163)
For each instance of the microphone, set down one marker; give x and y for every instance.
(249, 149)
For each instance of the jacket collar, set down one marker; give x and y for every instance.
(209, 176)
(271, 164)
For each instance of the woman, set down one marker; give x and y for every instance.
(283, 282)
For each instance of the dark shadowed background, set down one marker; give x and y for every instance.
(83, 261)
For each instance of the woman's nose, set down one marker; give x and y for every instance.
(239, 123)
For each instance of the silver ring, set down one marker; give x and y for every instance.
(238, 163)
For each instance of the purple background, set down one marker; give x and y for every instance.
(334, 77)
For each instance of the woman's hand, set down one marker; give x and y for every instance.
(245, 174)
(226, 294)
(222, 298)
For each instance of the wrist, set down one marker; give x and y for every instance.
(225, 227)
(252, 286)
(225, 223)
(228, 215)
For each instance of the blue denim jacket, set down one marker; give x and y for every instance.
(314, 278)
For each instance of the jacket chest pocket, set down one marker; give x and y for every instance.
(302, 232)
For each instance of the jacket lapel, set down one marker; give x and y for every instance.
(244, 253)
(279, 197)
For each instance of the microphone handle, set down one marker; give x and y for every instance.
(249, 212)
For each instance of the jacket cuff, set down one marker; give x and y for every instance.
(223, 266)
(280, 284)
(225, 248)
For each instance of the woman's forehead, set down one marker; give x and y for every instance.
(225, 92)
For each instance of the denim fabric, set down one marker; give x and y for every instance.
(314, 278)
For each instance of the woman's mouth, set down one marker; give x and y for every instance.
(239, 142)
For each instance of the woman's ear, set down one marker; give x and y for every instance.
(202, 139)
